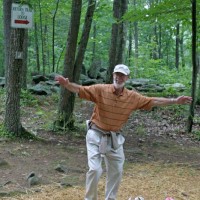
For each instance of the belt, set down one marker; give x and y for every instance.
(104, 139)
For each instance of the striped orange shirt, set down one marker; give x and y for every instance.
(111, 112)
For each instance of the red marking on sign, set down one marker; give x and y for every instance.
(21, 22)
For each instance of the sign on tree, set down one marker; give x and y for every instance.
(21, 16)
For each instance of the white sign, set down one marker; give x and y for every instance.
(21, 16)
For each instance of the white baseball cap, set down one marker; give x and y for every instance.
(122, 69)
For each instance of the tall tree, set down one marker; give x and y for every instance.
(7, 34)
(42, 35)
(16, 69)
(122, 30)
(13, 77)
(134, 41)
(7, 29)
(159, 41)
(182, 49)
(118, 37)
(66, 98)
(53, 36)
(130, 43)
(37, 53)
(177, 45)
(194, 64)
(95, 66)
(84, 39)
(66, 105)
(25, 57)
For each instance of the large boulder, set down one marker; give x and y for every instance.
(176, 86)
(40, 89)
(52, 76)
(150, 88)
(38, 78)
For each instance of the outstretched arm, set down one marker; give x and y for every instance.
(72, 87)
(169, 101)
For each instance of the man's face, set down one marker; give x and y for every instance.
(119, 80)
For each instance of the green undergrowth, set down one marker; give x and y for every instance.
(23, 135)
(4, 133)
(196, 135)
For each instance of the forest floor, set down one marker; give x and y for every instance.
(161, 158)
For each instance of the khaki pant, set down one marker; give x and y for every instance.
(114, 160)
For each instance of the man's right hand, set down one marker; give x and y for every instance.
(72, 87)
(62, 80)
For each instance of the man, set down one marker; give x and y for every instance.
(113, 105)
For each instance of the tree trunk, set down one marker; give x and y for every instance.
(46, 50)
(136, 41)
(67, 113)
(160, 42)
(7, 29)
(59, 58)
(53, 36)
(13, 89)
(114, 39)
(198, 68)
(118, 37)
(94, 42)
(155, 43)
(122, 34)
(168, 47)
(42, 38)
(195, 70)
(37, 48)
(24, 66)
(130, 43)
(182, 50)
(177, 46)
(66, 105)
(84, 39)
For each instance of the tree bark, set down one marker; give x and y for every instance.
(118, 37)
(154, 54)
(130, 43)
(136, 41)
(53, 36)
(177, 46)
(66, 105)
(84, 39)
(46, 51)
(73, 73)
(7, 29)
(25, 55)
(160, 41)
(42, 39)
(13, 89)
(114, 39)
(37, 53)
(94, 42)
(182, 50)
(195, 70)
(122, 29)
